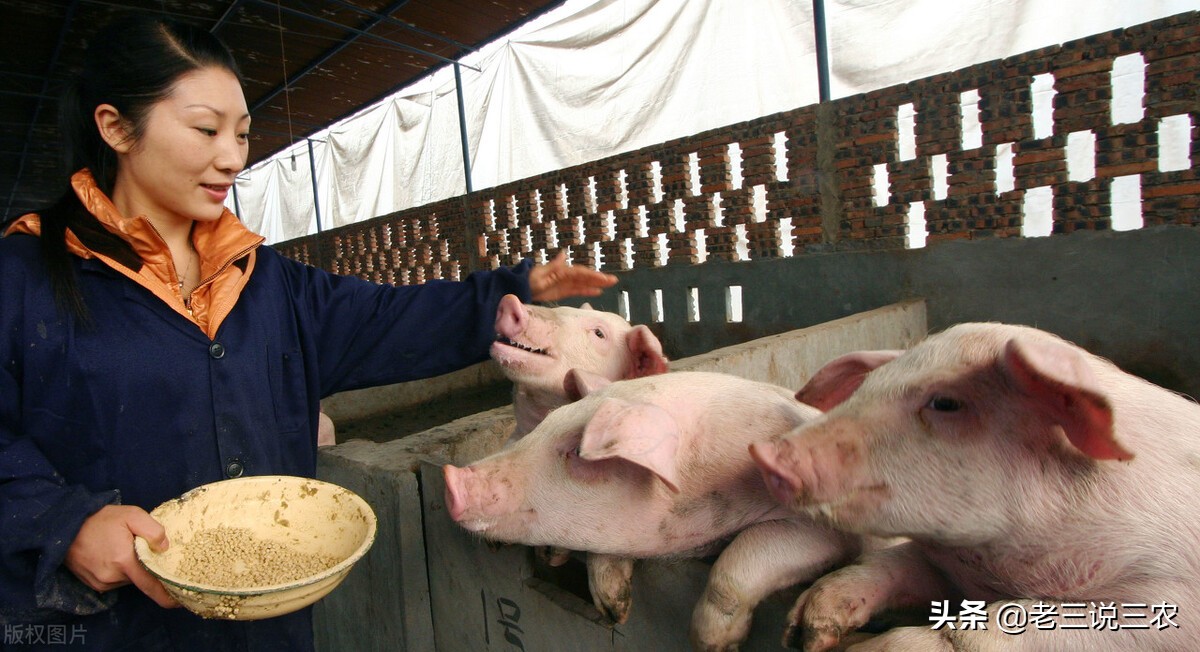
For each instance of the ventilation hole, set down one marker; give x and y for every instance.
(1043, 105)
(972, 126)
(1038, 212)
(1175, 143)
(939, 170)
(1081, 156)
(880, 184)
(1127, 203)
(916, 225)
(906, 126)
(1005, 179)
(733, 304)
(1128, 88)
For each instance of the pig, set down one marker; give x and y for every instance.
(657, 466)
(536, 347)
(1029, 474)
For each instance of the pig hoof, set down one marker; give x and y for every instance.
(616, 611)
(610, 579)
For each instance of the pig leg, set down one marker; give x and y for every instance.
(610, 579)
(762, 559)
(844, 600)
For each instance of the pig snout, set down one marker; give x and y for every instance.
(456, 500)
(511, 318)
(476, 500)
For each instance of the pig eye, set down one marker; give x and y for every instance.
(945, 404)
(598, 333)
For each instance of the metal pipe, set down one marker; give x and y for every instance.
(237, 207)
(312, 167)
(462, 126)
(822, 50)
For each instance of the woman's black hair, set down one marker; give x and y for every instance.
(132, 64)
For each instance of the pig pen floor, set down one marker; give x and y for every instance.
(395, 425)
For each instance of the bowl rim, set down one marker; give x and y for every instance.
(142, 547)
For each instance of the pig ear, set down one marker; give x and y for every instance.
(580, 382)
(586, 306)
(641, 433)
(1062, 387)
(645, 352)
(838, 379)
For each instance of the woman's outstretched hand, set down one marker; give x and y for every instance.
(556, 280)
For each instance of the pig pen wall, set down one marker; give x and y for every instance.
(428, 585)
(994, 191)
(1132, 297)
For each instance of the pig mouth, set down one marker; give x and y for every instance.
(508, 341)
(496, 527)
(508, 351)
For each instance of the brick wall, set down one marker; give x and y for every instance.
(839, 176)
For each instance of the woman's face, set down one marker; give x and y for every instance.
(194, 142)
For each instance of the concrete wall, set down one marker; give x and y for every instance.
(375, 401)
(1133, 297)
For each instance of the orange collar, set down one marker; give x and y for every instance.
(220, 244)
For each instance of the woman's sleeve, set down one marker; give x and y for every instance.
(39, 518)
(40, 514)
(373, 334)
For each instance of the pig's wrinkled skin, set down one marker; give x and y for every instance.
(1024, 470)
(537, 346)
(653, 467)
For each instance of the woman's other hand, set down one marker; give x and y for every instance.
(556, 280)
(102, 554)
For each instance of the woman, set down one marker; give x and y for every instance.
(149, 343)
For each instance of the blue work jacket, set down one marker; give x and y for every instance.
(141, 404)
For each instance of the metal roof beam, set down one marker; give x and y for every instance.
(387, 16)
(62, 37)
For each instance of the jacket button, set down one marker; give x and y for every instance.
(216, 350)
(234, 468)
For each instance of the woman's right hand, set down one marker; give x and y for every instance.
(102, 554)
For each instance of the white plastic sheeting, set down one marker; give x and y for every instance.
(596, 78)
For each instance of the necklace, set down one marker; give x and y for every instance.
(183, 277)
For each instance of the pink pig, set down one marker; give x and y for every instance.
(1030, 475)
(652, 467)
(536, 346)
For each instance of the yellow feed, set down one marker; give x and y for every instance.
(232, 557)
